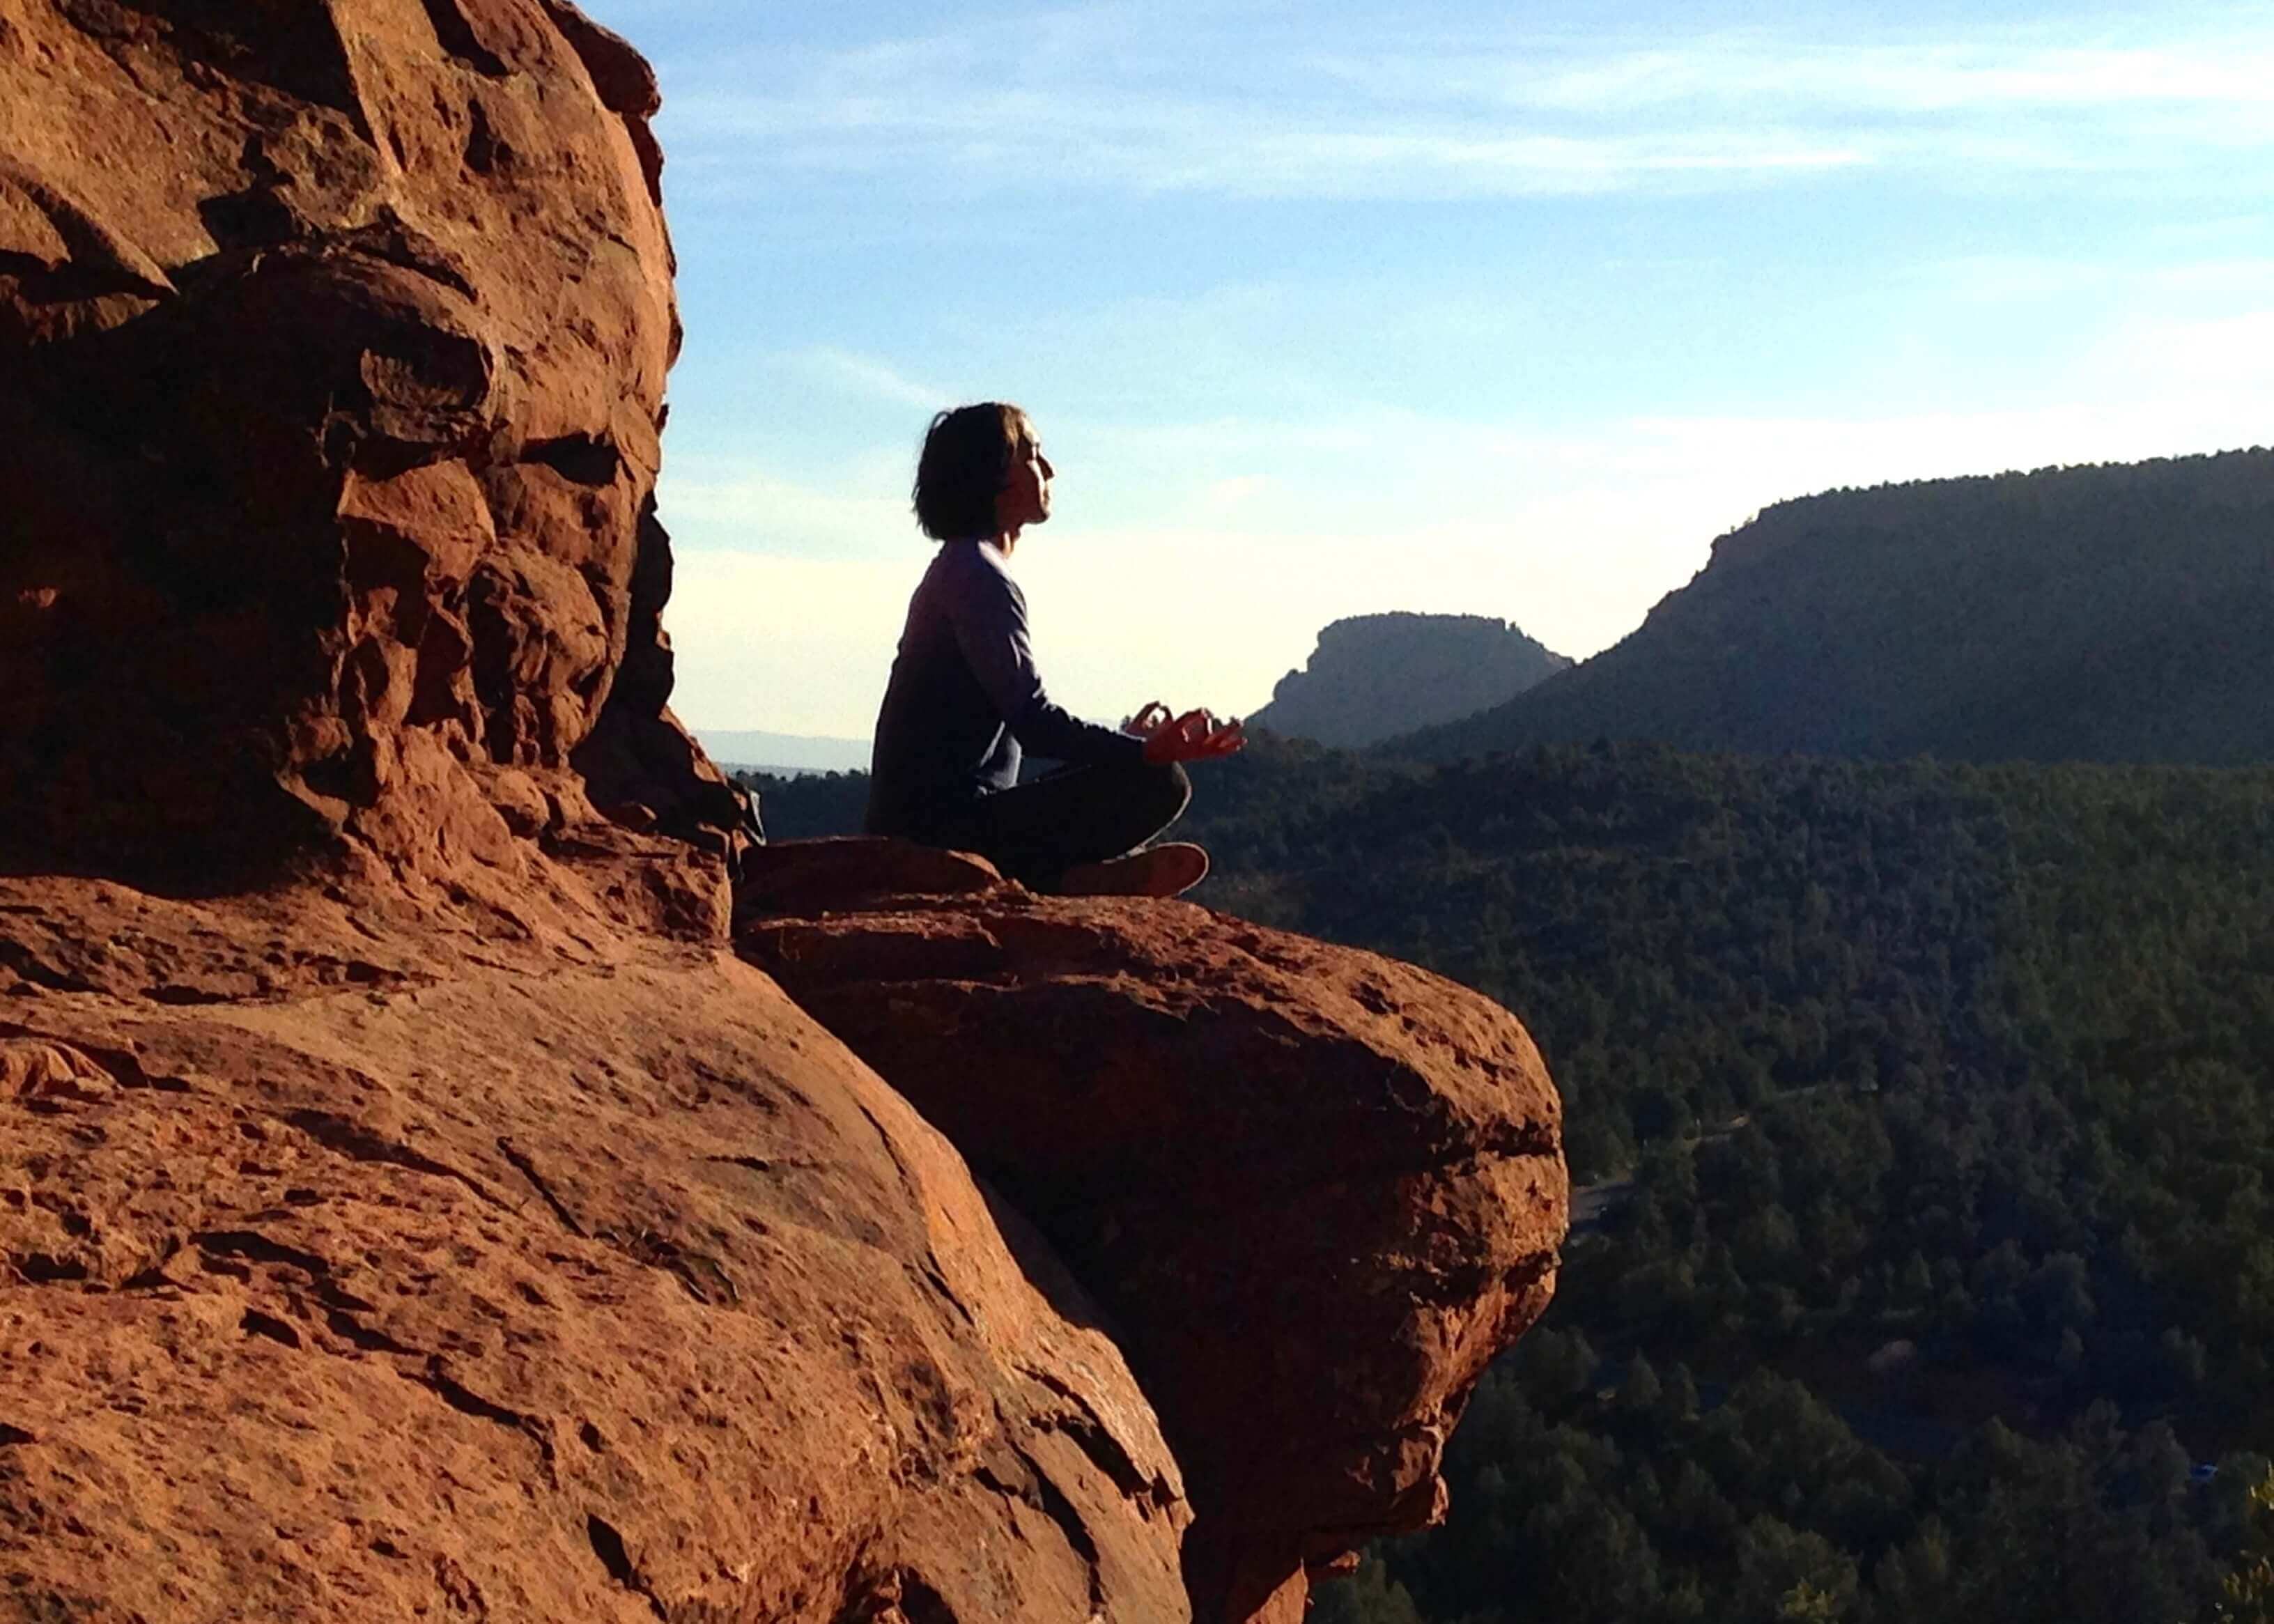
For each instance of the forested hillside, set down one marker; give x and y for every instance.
(809, 805)
(2123, 613)
(1924, 1118)
(1925, 1115)
(1375, 675)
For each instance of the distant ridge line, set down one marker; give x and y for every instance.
(2101, 612)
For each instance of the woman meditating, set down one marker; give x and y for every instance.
(965, 701)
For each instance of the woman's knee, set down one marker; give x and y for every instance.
(1167, 790)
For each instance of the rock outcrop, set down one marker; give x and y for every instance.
(332, 341)
(1318, 1188)
(415, 1198)
(447, 1274)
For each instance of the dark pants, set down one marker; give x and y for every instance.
(1035, 832)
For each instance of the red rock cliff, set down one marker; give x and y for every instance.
(332, 341)
(413, 1200)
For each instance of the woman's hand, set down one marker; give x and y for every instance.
(1150, 721)
(1193, 736)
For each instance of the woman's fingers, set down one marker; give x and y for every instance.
(1196, 735)
(1226, 739)
(1147, 721)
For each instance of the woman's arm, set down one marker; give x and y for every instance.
(990, 616)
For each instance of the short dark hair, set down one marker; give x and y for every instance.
(965, 462)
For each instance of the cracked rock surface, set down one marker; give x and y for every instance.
(463, 1271)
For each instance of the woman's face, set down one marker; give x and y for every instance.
(1025, 498)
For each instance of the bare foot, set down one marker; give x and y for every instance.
(1156, 871)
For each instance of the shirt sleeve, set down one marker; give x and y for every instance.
(990, 616)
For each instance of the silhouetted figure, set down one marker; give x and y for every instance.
(965, 701)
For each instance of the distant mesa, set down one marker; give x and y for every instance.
(1373, 676)
(2116, 613)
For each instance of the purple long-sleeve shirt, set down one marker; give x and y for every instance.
(965, 700)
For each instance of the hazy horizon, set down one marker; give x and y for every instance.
(1324, 313)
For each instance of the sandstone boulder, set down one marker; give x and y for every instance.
(1318, 1190)
(349, 1273)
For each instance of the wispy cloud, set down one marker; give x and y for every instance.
(747, 509)
(2001, 70)
(1342, 112)
(2007, 277)
(2220, 353)
(863, 375)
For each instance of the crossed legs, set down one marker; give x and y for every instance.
(1037, 832)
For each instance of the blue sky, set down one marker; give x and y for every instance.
(1325, 309)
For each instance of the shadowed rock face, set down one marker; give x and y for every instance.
(1318, 1188)
(332, 341)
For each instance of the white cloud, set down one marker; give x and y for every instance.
(863, 375)
(708, 504)
(2226, 355)
(1339, 111)
(2133, 287)
(2002, 71)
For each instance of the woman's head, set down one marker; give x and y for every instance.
(972, 457)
